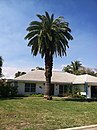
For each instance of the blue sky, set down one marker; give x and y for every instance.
(15, 16)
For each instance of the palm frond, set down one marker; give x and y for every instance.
(31, 34)
(47, 16)
(33, 40)
(52, 18)
(33, 28)
(40, 16)
(36, 23)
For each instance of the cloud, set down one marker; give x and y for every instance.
(9, 72)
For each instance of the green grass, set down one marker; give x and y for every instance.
(35, 113)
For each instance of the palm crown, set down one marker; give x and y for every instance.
(74, 67)
(48, 34)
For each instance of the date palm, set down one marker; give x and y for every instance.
(49, 37)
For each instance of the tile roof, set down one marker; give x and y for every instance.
(57, 77)
(39, 76)
(81, 79)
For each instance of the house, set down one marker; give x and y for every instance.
(88, 84)
(34, 82)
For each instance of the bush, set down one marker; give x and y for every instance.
(7, 90)
(78, 96)
(37, 95)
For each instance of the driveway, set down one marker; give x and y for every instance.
(91, 127)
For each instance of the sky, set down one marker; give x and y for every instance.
(15, 16)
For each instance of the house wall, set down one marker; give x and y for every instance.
(89, 91)
(21, 89)
(40, 88)
(81, 88)
(56, 89)
(85, 89)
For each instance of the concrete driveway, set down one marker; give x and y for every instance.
(91, 127)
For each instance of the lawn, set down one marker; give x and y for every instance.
(35, 113)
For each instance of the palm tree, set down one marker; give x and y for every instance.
(1, 62)
(75, 67)
(48, 37)
(17, 74)
(67, 69)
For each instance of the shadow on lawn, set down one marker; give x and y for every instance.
(76, 99)
(10, 98)
(82, 100)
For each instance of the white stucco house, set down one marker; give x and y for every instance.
(34, 82)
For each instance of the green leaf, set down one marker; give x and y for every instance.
(33, 40)
(50, 37)
(35, 23)
(39, 16)
(31, 34)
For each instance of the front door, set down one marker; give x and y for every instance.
(52, 89)
(61, 89)
(94, 91)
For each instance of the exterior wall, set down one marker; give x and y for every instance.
(89, 91)
(85, 89)
(21, 88)
(40, 87)
(81, 88)
(56, 90)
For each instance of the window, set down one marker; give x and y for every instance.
(27, 87)
(33, 86)
(65, 89)
(30, 87)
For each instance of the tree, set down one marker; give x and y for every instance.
(39, 68)
(7, 89)
(1, 63)
(89, 71)
(48, 37)
(67, 69)
(19, 74)
(73, 68)
(76, 68)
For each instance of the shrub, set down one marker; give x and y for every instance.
(37, 95)
(7, 90)
(78, 96)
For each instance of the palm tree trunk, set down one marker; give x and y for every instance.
(48, 75)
